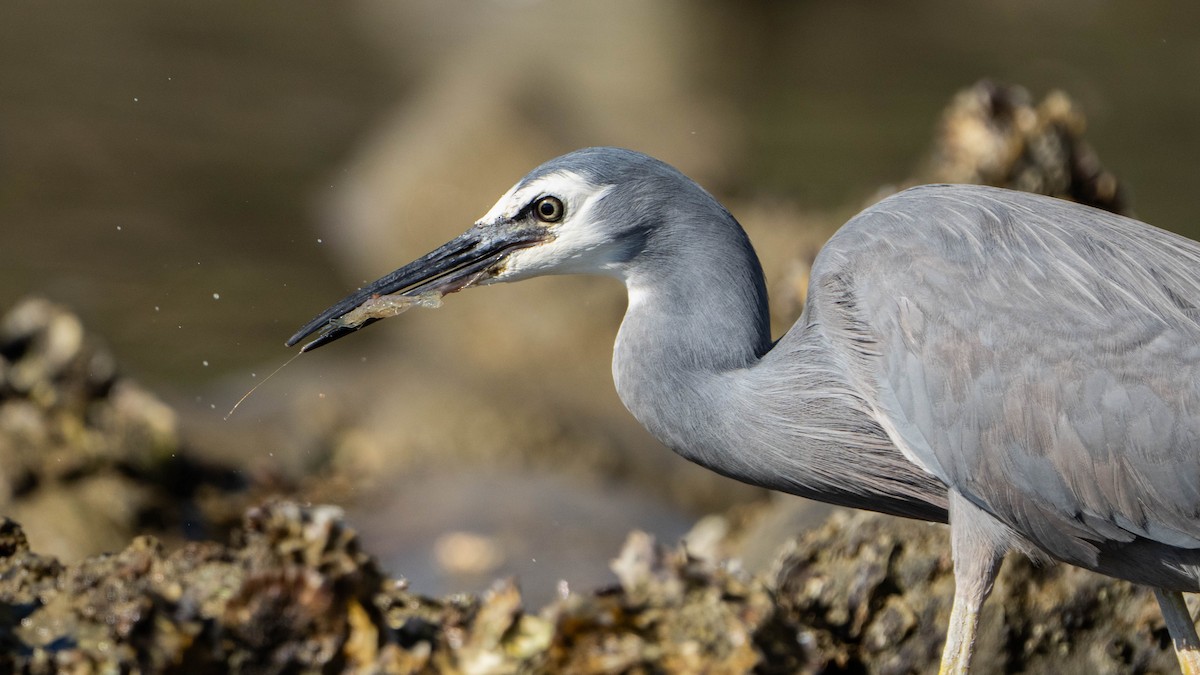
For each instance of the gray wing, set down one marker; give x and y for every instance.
(1040, 357)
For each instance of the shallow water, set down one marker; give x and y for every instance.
(545, 527)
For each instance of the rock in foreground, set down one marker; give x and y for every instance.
(294, 593)
(88, 457)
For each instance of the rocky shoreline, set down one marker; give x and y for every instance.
(294, 592)
(222, 569)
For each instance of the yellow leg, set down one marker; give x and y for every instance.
(960, 636)
(1182, 630)
(975, 545)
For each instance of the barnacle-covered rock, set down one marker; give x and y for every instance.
(871, 593)
(994, 134)
(88, 458)
(672, 612)
(294, 592)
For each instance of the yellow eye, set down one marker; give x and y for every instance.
(549, 209)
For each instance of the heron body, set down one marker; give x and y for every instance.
(1026, 368)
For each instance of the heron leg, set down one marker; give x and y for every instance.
(1182, 629)
(977, 552)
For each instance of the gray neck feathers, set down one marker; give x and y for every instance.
(693, 361)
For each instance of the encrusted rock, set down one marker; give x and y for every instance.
(89, 457)
(870, 593)
(994, 134)
(672, 613)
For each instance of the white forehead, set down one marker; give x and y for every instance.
(572, 188)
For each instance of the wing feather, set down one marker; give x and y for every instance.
(1040, 357)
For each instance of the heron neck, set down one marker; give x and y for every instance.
(697, 323)
(694, 363)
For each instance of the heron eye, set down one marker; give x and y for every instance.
(549, 209)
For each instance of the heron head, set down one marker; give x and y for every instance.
(581, 213)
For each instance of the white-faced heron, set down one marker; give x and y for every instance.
(1025, 368)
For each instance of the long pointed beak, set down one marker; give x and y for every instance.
(473, 257)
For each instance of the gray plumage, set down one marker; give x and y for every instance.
(1041, 358)
(1025, 367)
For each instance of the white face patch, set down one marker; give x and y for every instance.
(505, 207)
(579, 242)
(572, 188)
